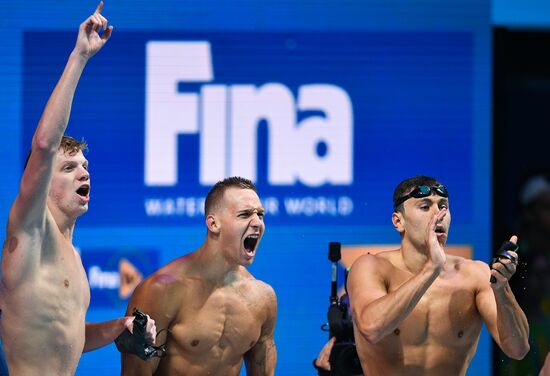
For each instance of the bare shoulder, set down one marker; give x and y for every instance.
(28, 215)
(260, 294)
(370, 275)
(163, 289)
(473, 270)
(378, 263)
(467, 265)
(260, 288)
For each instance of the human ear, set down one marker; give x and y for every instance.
(398, 221)
(212, 224)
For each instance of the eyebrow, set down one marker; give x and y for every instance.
(73, 163)
(250, 211)
(427, 200)
(424, 200)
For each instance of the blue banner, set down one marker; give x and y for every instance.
(326, 124)
(113, 274)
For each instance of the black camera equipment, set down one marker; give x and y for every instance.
(343, 357)
(135, 343)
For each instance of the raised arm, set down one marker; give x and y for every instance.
(499, 309)
(261, 359)
(29, 208)
(154, 297)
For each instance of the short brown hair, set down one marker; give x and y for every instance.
(71, 146)
(408, 185)
(68, 144)
(214, 197)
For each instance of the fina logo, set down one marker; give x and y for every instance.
(124, 280)
(226, 118)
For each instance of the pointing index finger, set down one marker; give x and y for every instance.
(99, 7)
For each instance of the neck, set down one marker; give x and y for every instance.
(64, 223)
(214, 266)
(414, 257)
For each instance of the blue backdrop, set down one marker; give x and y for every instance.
(327, 106)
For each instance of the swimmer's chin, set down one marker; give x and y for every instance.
(442, 238)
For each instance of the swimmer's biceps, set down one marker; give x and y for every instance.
(365, 282)
(262, 357)
(27, 224)
(21, 257)
(271, 306)
(151, 298)
(145, 300)
(260, 360)
(29, 207)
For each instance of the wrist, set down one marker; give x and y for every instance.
(501, 290)
(320, 371)
(124, 323)
(79, 57)
(432, 268)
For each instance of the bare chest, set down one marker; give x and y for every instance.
(46, 272)
(65, 280)
(49, 304)
(446, 315)
(222, 324)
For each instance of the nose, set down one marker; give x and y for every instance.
(84, 175)
(438, 210)
(256, 222)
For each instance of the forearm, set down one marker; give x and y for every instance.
(56, 114)
(382, 316)
(103, 333)
(512, 325)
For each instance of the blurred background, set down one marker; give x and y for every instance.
(326, 105)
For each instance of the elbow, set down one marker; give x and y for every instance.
(523, 352)
(518, 352)
(370, 332)
(44, 143)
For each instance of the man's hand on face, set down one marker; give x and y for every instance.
(435, 248)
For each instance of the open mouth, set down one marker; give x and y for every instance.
(441, 234)
(83, 191)
(250, 243)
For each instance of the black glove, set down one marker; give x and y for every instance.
(135, 343)
(503, 254)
